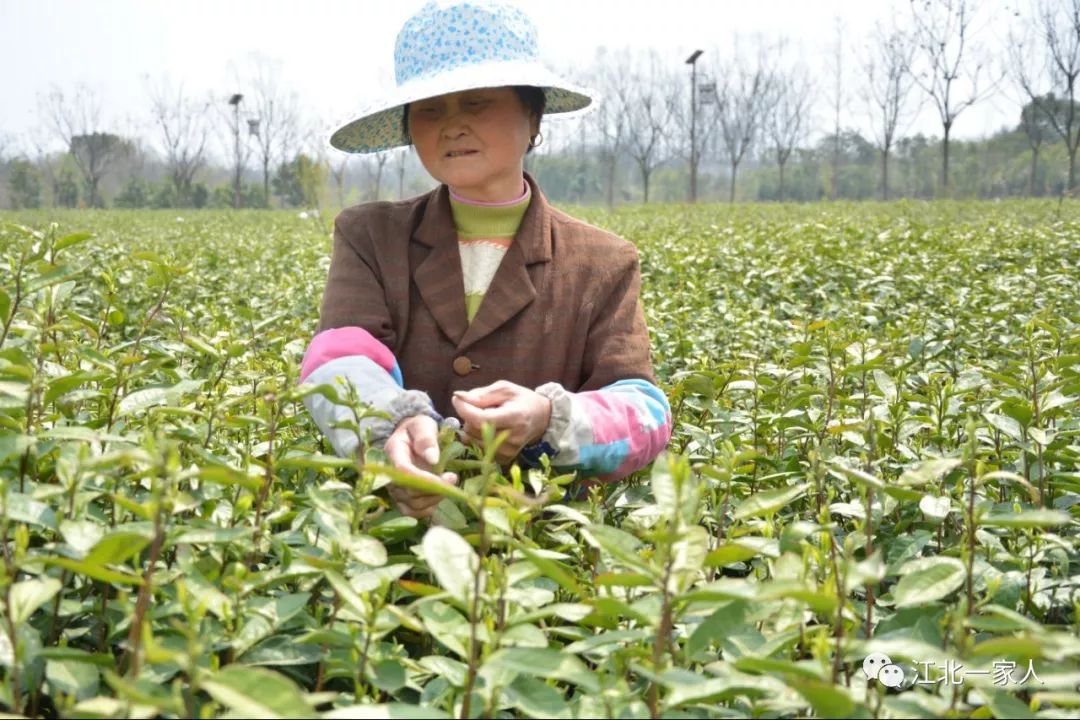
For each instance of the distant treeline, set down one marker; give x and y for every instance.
(748, 121)
(998, 166)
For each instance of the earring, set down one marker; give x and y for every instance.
(533, 143)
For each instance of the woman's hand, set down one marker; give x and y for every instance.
(413, 448)
(524, 412)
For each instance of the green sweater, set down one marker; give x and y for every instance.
(485, 231)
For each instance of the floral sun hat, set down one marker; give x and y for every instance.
(453, 46)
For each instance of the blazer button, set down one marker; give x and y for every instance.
(462, 365)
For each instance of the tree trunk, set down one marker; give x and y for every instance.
(945, 162)
(1072, 169)
(734, 172)
(693, 180)
(836, 165)
(50, 176)
(781, 193)
(885, 174)
(236, 185)
(1034, 171)
(611, 183)
(645, 184)
(266, 180)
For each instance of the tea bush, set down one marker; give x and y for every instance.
(875, 453)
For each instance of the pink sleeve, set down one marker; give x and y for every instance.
(607, 433)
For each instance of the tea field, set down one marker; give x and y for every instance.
(869, 507)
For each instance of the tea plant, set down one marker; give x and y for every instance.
(875, 452)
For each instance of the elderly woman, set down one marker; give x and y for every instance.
(479, 299)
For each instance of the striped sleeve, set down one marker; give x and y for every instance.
(607, 433)
(356, 356)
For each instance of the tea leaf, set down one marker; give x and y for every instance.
(256, 692)
(27, 596)
(1027, 519)
(544, 663)
(769, 502)
(924, 581)
(116, 547)
(453, 561)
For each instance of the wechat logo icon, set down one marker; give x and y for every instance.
(878, 666)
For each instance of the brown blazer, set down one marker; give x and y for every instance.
(563, 306)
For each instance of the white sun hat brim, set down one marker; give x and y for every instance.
(379, 126)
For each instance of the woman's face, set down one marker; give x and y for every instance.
(491, 124)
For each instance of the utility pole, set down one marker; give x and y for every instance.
(692, 62)
(235, 102)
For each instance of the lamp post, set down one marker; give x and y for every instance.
(235, 102)
(692, 62)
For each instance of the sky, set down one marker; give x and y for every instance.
(335, 54)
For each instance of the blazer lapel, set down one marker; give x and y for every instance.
(512, 288)
(438, 276)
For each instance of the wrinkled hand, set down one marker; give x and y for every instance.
(413, 448)
(524, 412)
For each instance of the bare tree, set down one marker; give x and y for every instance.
(311, 163)
(37, 141)
(611, 126)
(275, 114)
(579, 183)
(1036, 129)
(75, 119)
(609, 123)
(744, 100)
(888, 83)
(375, 168)
(786, 125)
(703, 117)
(338, 169)
(1047, 71)
(944, 35)
(233, 134)
(236, 124)
(837, 98)
(648, 103)
(401, 163)
(182, 126)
